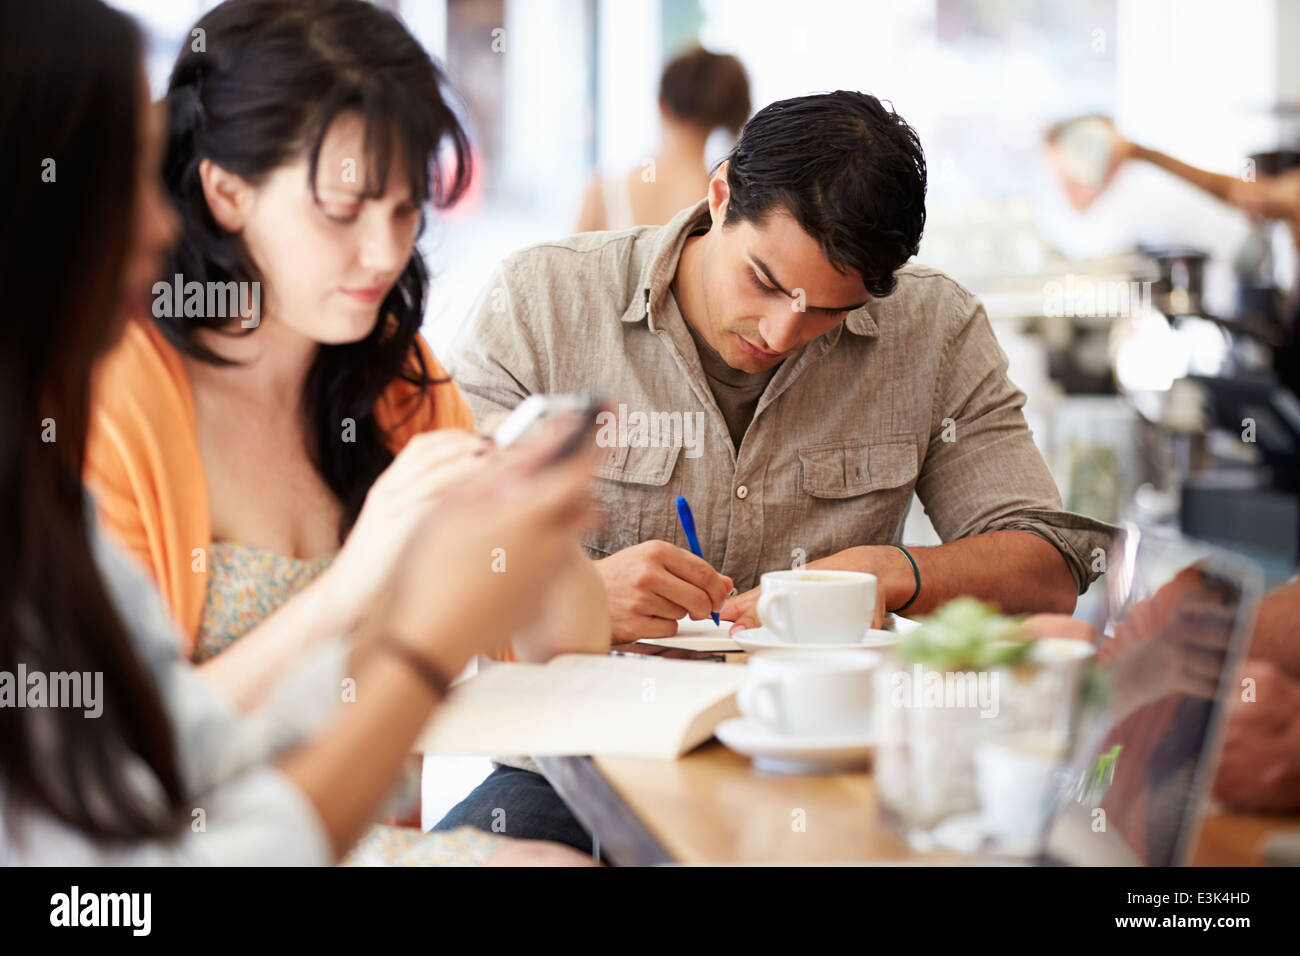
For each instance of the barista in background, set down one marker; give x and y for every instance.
(698, 93)
(1267, 197)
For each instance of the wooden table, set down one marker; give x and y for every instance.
(712, 807)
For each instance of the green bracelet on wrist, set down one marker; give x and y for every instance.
(916, 572)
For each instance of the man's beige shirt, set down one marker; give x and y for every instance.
(909, 393)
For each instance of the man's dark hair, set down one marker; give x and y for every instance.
(850, 171)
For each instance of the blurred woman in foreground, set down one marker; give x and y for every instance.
(149, 750)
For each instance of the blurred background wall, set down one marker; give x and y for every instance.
(555, 89)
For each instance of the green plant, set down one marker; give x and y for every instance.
(965, 634)
(1094, 783)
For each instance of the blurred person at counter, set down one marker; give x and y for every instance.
(1260, 766)
(1266, 196)
(1088, 152)
(699, 92)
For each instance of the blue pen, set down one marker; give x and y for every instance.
(688, 525)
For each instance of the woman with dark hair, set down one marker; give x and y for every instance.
(699, 92)
(270, 441)
(118, 753)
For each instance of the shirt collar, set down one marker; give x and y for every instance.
(860, 322)
(661, 266)
(659, 270)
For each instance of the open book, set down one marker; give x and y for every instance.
(585, 704)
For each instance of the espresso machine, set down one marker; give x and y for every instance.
(1236, 465)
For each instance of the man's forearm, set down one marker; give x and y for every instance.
(1017, 571)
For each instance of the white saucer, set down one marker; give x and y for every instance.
(903, 625)
(785, 753)
(756, 639)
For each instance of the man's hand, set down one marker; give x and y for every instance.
(652, 585)
(882, 562)
(1260, 766)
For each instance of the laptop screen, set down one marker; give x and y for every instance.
(1178, 616)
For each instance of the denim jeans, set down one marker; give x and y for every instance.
(520, 804)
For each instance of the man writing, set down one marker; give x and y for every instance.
(833, 380)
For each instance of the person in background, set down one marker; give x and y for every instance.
(124, 778)
(269, 470)
(698, 93)
(1266, 196)
(1260, 765)
(1263, 196)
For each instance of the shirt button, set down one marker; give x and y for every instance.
(742, 492)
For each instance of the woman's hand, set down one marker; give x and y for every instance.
(479, 565)
(573, 617)
(473, 569)
(432, 464)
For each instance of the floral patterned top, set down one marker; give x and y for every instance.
(245, 585)
(404, 846)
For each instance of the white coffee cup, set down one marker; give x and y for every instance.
(1013, 781)
(808, 606)
(810, 694)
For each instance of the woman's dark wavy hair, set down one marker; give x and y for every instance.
(850, 171)
(69, 108)
(261, 88)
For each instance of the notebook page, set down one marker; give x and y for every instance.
(582, 704)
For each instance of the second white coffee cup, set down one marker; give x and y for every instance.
(800, 693)
(808, 606)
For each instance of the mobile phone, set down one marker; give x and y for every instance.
(536, 409)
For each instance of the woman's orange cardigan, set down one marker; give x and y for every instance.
(144, 469)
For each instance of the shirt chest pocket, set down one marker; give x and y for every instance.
(633, 499)
(854, 493)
